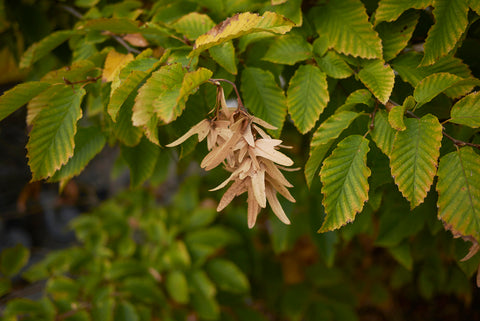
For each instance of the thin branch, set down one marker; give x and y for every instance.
(372, 116)
(239, 100)
(72, 11)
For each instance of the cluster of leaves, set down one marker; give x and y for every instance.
(136, 260)
(378, 84)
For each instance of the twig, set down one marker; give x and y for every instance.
(85, 81)
(72, 11)
(239, 100)
(372, 116)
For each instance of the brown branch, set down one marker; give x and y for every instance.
(85, 81)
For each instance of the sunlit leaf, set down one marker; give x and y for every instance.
(459, 192)
(18, 96)
(288, 50)
(346, 25)
(390, 10)
(467, 111)
(414, 157)
(239, 25)
(379, 78)
(39, 49)
(51, 140)
(263, 97)
(451, 20)
(307, 96)
(344, 176)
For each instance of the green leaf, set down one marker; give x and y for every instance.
(467, 111)
(141, 160)
(390, 10)
(263, 97)
(315, 158)
(307, 96)
(39, 49)
(61, 287)
(114, 25)
(395, 118)
(78, 71)
(403, 254)
(13, 259)
(124, 129)
(125, 311)
(396, 35)
(451, 20)
(291, 9)
(23, 306)
(5, 286)
(239, 25)
(331, 128)
(227, 276)
(176, 87)
(383, 134)
(224, 55)
(458, 190)
(89, 141)
(51, 140)
(379, 78)
(288, 50)
(358, 97)
(334, 65)
(475, 6)
(177, 286)
(206, 307)
(18, 96)
(201, 283)
(193, 25)
(344, 176)
(414, 157)
(433, 85)
(346, 25)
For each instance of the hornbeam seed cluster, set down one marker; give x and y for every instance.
(236, 139)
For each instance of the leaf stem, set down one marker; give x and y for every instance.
(239, 100)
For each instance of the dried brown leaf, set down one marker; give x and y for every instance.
(275, 205)
(201, 129)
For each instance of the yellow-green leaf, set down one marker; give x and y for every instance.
(467, 111)
(51, 140)
(344, 176)
(383, 134)
(379, 78)
(239, 25)
(451, 20)
(177, 286)
(414, 157)
(332, 127)
(395, 118)
(346, 25)
(431, 86)
(307, 96)
(193, 25)
(288, 50)
(115, 25)
(263, 97)
(18, 96)
(334, 65)
(390, 10)
(458, 190)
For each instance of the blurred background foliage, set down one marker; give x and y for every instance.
(161, 252)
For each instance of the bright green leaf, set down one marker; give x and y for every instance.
(13, 259)
(383, 134)
(193, 25)
(141, 160)
(451, 20)
(239, 25)
(224, 55)
(344, 176)
(227, 276)
(288, 50)
(307, 96)
(177, 286)
(390, 10)
(396, 35)
(378, 78)
(414, 157)
(467, 111)
(18, 96)
(458, 190)
(433, 85)
(263, 97)
(39, 49)
(51, 140)
(89, 141)
(346, 25)
(334, 65)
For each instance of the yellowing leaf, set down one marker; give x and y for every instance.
(467, 111)
(379, 78)
(113, 64)
(389, 10)
(459, 192)
(451, 20)
(383, 134)
(18, 96)
(239, 25)
(344, 176)
(432, 85)
(414, 157)
(346, 25)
